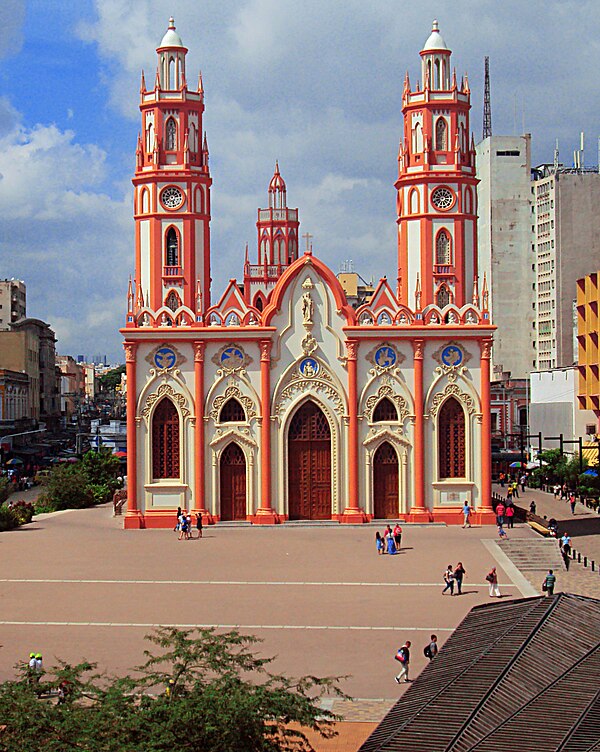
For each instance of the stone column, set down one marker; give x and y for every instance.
(199, 505)
(418, 512)
(265, 514)
(133, 517)
(485, 491)
(352, 513)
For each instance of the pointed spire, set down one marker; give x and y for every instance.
(476, 291)
(139, 153)
(157, 81)
(485, 294)
(139, 303)
(418, 293)
(246, 257)
(200, 84)
(155, 151)
(454, 79)
(186, 148)
(130, 296)
(466, 88)
(406, 88)
(143, 83)
(198, 297)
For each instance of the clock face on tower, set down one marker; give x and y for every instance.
(171, 197)
(442, 198)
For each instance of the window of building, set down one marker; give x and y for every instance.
(451, 440)
(508, 153)
(172, 248)
(443, 297)
(232, 412)
(441, 134)
(385, 412)
(165, 440)
(172, 301)
(171, 135)
(442, 248)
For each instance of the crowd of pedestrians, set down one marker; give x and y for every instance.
(391, 540)
(184, 525)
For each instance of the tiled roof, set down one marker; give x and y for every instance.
(516, 675)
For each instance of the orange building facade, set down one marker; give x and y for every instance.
(280, 401)
(588, 356)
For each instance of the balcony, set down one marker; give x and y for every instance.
(172, 271)
(444, 270)
(264, 271)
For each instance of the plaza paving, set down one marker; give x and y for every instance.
(74, 585)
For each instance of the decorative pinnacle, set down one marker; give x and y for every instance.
(434, 26)
(172, 22)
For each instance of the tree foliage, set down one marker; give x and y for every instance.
(111, 379)
(68, 487)
(200, 690)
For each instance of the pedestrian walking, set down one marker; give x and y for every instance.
(466, 511)
(391, 546)
(449, 580)
(509, 494)
(572, 502)
(431, 649)
(502, 533)
(510, 516)
(403, 657)
(502, 480)
(397, 536)
(549, 583)
(500, 509)
(532, 507)
(379, 542)
(515, 488)
(492, 579)
(459, 575)
(177, 524)
(522, 481)
(199, 524)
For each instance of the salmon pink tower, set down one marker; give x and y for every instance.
(281, 401)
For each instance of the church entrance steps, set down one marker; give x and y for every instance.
(533, 555)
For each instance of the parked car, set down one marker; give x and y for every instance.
(42, 476)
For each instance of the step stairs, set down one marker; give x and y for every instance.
(537, 555)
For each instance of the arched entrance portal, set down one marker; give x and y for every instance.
(385, 483)
(233, 483)
(309, 462)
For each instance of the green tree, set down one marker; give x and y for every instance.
(111, 379)
(102, 469)
(221, 698)
(68, 487)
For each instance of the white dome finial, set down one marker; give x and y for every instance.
(435, 40)
(434, 26)
(171, 37)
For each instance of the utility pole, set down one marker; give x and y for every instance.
(487, 103)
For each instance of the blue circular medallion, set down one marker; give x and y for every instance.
(452, 356)
(165, 358)
(232, 357)
(385, 357)
(309, 367)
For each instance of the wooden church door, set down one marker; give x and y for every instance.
(309, 465)
(385, 483)
(233, 484)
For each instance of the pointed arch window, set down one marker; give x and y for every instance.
(441, 134)
(232, 412)
(442, 248)
(443, 297)
(172, 253)
(414, 201)
(418, 138)
(145, 201)
(385, 412)
(193, 139)
(172, 301)
(171, 135)
(468, 201)
(150, 137)
(451, 440)
(165, 440)
(258, 303)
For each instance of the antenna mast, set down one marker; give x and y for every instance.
(487, 105)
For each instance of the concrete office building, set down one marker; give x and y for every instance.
(567, 247)
(12, 302)
(505, 237)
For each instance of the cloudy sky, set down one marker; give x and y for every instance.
(316, 85)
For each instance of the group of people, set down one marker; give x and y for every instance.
(391, 540)
(17, 480)
(505, 514)
(403, 657)
(454, 576)
(184, 525)
(565, 495)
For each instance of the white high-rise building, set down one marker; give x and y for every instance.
(506, 248)
(567, 247)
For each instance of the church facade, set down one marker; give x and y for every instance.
(280, 401)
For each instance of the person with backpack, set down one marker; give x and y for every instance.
(549, 583)
(403, 657)
(492, 579)
(449, 580)
(431, 649)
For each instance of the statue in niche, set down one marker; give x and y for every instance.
(307, 308)
(452, 319)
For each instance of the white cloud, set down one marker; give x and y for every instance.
(12, 17)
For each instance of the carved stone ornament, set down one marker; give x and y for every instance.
(308, 284)
(486, 348)
(164, 390)
(386, 391)
(231, 358)
(233, 391)
(321, 383)
(385, 356)
(451, 356)
(165, 358)
(452, 390)
(309, 344)
(130, 350)
(199, 348)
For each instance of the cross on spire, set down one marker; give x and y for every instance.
(308, 237)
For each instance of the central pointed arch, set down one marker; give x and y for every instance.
(452, 440)
(386, 482)
(309, 458)
(233, 483)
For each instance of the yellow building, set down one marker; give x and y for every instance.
(588, 302)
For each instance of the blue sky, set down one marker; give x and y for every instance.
(315, 85)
